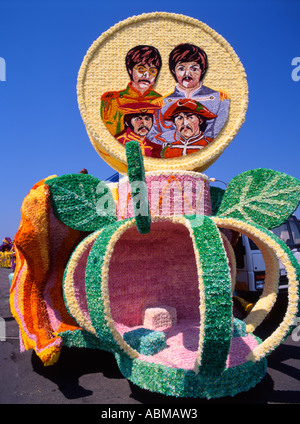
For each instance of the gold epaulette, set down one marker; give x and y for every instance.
(224, 95)
(109, 95)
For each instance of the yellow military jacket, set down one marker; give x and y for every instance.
(113, 115)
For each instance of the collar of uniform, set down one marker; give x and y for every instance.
(137, 92)
(182, 93)
(191, 140)
(133, 136)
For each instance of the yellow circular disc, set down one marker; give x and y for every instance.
(103, 74)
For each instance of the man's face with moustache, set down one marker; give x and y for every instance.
(141, 124)
(188, 74)
(143, 76)
(187, 124)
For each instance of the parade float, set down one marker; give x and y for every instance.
(7, 253)
(145, 268)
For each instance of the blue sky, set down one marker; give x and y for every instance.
(44, 42)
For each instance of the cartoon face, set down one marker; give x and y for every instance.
(143, 64)
(143, 76)
(188, 74)
(141, 124)
(187, 124)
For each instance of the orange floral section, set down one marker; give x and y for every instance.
(34, 266)
(69, 241)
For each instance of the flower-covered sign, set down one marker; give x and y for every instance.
(183, 122)
(176, 86)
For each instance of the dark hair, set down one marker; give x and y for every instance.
(188, 53)
(143, 54)
(129, 116)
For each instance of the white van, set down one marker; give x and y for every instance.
(249, 260)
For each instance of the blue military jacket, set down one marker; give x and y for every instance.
(217, 102)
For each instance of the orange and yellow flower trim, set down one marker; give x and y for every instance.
(36, 297)
(271, 246)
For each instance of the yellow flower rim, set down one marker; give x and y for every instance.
(69, 290)
(267, 299)
(164, 31)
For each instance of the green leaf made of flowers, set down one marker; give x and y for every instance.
(216, 196)
(138, 186)
(82, 202)
(261, 196)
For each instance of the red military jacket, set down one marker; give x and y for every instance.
(184, 147)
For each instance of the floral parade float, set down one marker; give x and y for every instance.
(7, 255)
(144, 268)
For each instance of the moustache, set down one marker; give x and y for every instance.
(185, 127)
(187, 78)
(143, 128)
(144, 80)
